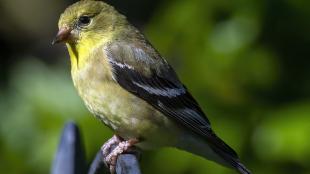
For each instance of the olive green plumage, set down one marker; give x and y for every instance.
(128, 86)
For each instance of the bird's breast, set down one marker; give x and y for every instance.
(120, 110)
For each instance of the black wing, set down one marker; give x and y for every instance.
(153, 80)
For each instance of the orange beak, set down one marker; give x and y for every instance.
(62, 35)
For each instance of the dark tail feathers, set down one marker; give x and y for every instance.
(231, 158)
(242, 169)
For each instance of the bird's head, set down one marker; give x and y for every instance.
(87, 21)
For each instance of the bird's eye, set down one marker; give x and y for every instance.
(84, 21)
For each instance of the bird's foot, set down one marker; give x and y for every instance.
(110, 144)
(124, 146)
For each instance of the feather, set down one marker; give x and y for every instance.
(155, 82)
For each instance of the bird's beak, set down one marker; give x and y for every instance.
(62, 35)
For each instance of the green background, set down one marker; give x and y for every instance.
(247, 62)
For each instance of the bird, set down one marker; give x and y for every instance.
(127, 85)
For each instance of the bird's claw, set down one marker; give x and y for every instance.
(110, 144)
(110, 157)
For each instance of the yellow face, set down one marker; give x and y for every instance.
(86, 25)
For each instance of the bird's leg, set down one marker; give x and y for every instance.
(109, 145)
(124, 146)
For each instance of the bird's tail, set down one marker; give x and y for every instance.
(242, 169)
(213, 149)
(232, 160)
(227, 154)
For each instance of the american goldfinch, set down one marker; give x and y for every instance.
(128, 86)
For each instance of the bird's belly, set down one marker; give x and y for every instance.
(128, 115)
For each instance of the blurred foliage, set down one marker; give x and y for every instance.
(246, 62)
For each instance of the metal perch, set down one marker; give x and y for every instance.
(70, 157)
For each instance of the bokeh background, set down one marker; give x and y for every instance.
(246, 61)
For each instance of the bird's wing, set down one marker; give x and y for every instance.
(141, 71)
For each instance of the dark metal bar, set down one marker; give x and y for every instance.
(127, 164)
(98, 166)
(70, 157)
